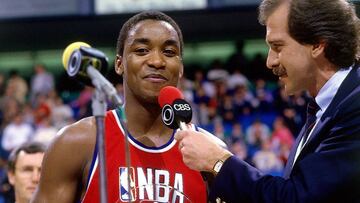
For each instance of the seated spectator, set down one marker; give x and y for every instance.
(217, 72)
(61, 114)
(201, 81)
(9, 106)
(16, 133)
(237, 133)
(83, 102)
(264, 99)
(281, 134)
(42, 109)
(42, 82)
(45, 132)
(257, 133)
(226, 109)
(242, 99)
(266, 160)
(239, 150)
(24, 166)
(18, 85)
(202, 114)
(237, 79)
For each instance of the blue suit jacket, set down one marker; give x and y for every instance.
(327, 169)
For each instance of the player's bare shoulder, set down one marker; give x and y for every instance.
(82, 131)
(74, 146)
(79, 137)
(66, 163)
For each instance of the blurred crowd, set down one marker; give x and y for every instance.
(238, 100)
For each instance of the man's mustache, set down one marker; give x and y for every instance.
(279, 71)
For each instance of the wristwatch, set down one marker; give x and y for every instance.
(219, 163)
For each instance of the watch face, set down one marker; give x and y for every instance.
(218, 166)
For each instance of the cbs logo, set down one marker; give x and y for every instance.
(182, 107)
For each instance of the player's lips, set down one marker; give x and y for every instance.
(155, 78)
(32, 189)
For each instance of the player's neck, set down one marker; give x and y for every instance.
(144, 123)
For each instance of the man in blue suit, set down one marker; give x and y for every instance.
(313, 46)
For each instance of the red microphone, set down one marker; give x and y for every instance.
(176, 112)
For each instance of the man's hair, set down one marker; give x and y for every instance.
(313, 21)
(29, 148)
(146, 15)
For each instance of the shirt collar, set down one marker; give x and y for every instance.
(328, 91)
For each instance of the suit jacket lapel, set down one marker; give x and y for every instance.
(315, 137)
(292, 153)
(350, 82)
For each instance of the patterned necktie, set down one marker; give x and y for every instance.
(312, 108)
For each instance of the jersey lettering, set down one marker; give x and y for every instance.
(151, 184)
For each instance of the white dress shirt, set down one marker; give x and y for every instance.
(323, 99)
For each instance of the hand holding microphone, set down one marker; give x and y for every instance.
(200, 151)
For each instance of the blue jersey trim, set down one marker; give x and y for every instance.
(94, 157)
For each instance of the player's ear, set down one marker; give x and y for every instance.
(11, 177)
(119, 68)
(181, 71)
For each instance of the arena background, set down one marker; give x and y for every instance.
(252, 117)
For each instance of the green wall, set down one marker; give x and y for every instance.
(201, 53)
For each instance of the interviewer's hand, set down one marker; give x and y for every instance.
(200, 152)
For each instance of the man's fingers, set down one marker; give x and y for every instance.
(180, 134)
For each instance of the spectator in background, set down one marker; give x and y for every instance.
(16, 133)
(45, 132)
(239, 149)
(42, 81)
(9, 107)
(266, 160)
(237, 79)
(82, 104)
(281, 134)
(263, 97)
(61, 114)
(200, 81)
(226, 109)
(257, 133)
(203, 114)
(219, 130)
(217, 72)
(18, 85)
(187, 87)
(24, 166)
(237, 133)
(41, 109)
(242, 101)
(291, 113)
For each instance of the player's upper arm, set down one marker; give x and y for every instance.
(64, 163)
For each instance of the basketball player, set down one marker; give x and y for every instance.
(149, 57)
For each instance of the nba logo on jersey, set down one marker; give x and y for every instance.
(124, 186)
